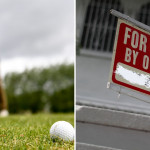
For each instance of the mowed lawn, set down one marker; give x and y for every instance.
(21, 132)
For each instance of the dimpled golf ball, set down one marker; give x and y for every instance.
(62, 130)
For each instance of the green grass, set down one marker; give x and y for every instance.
(27, 132)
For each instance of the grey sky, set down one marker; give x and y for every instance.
(41, 31)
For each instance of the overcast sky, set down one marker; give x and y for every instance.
(35, 33)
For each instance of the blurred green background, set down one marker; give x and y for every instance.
(49, 89)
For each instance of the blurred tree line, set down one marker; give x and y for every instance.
(41, 89)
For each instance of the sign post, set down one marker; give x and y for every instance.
(130, 66)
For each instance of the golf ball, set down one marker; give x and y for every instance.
(62, 130)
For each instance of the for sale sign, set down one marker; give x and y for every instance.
(131, 57)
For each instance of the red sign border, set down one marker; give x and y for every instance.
(122, 84)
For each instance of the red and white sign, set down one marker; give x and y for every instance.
(131, 58)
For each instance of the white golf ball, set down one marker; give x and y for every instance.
(62, 130)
